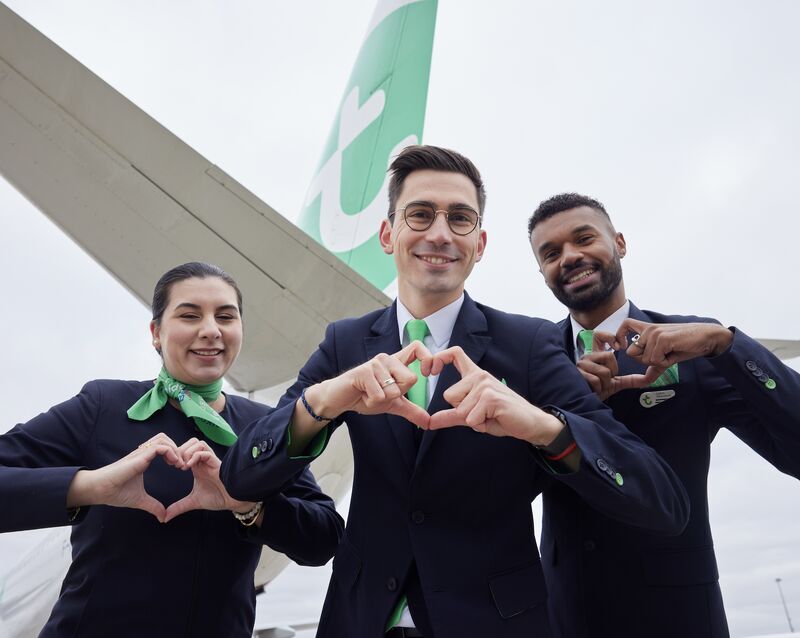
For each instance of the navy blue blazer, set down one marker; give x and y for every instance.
(458, 509)
(131, 575)
(607, 579)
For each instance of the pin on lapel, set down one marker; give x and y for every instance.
(654, 397)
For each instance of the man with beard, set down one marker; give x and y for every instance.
(439, 539)
(675, 385)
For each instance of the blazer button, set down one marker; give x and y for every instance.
(601, 463)
(391, 584)
(263, 446)
(751, 365)
(418, 516)
(269, 444)
(589, 546)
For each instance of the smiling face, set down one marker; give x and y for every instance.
(432, 265)
(200, 332)
(579, 254)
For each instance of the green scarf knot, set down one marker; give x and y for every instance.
(192, 401)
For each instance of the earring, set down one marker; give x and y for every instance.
(156, 343)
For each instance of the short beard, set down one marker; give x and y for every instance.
(594, 296)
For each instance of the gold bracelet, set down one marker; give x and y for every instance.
(249, 518)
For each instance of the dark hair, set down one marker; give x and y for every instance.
(421, 157)
(560, 203)
(188, 271)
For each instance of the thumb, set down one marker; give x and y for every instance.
(152, 506)
(186, 504)
(410, 411)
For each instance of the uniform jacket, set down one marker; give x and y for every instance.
(131, 575)
(458, 508)
(608, 579)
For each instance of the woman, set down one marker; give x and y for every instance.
(134, 467)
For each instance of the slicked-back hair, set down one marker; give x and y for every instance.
(560, 203)
(190, 270)
(435, 158)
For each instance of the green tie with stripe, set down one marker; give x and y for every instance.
(586, 338)
(417, 330)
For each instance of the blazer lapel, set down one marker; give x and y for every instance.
(565, 325)
(469, 332)
(385, 338)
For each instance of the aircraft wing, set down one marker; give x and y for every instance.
(782, 348)
(139, 201)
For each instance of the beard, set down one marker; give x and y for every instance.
(591, 297)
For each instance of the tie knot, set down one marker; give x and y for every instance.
(586, 339)
(416, 329)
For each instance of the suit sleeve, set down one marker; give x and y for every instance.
(258, 463)
(619, 475)
(39, 459)
(752, 393)
(301, 522)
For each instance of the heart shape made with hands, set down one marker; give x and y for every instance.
(600, 369)
(123, 485)
(479, 400)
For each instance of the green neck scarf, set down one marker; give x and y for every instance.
(192, 401)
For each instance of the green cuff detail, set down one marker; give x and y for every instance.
(314, 448)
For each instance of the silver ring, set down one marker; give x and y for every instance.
(388, 382)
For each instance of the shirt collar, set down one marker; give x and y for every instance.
(440, 323)
(609, 324)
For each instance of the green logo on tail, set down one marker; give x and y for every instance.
(383, 111)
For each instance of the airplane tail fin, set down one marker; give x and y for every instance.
(382, 112)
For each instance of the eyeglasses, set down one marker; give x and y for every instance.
(462, 220)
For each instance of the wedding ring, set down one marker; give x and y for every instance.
(635, 341)
(388, 382)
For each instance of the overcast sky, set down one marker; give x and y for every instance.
(680, 116)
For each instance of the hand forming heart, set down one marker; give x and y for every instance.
(121, 484)
(208, 492)
(658, 346)
(480, 401)
(375, 387)
(601, 371)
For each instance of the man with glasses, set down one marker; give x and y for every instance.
(439, 539)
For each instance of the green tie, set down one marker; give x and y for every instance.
(417, 330)
(669, 377)
(586, 337)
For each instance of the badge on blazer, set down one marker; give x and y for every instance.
(654, 397)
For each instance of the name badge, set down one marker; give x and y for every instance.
(654, 397)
